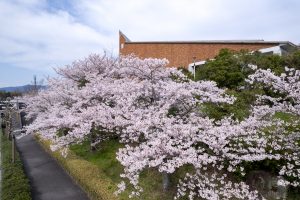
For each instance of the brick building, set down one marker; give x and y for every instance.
(183, 53)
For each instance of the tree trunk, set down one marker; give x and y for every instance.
(92, 147)
(166, 181)
(92, 139)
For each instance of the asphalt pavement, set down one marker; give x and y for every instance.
(47, 179)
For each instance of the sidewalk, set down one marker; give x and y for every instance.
(47, 179)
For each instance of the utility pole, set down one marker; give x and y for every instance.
(34, 84)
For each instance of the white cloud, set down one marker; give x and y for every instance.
(147, 19)
(38, 34)
(194, 19)
(35, 38)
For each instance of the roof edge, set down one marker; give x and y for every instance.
(127, 40)
(214, 42)
(123, 35)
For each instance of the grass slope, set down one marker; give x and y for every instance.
(99, 172)
(15, 185)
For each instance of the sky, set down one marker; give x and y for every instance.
(37, 36)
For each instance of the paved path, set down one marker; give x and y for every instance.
(48, 180)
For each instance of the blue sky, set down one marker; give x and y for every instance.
(39, 35)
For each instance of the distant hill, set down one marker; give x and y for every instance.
(23, 88)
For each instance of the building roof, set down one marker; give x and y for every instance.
(127, 40)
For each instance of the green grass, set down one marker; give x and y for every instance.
(105, 158)
(15, 185)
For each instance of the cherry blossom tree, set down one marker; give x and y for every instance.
(156, 111)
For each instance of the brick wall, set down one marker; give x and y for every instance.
(181, 54)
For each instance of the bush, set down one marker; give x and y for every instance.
(239, 109)
(229, 68)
